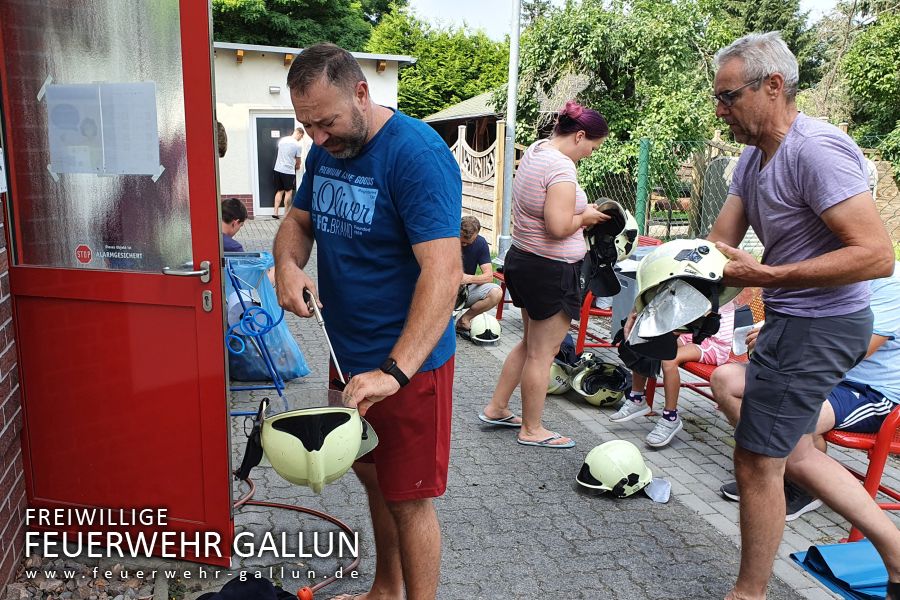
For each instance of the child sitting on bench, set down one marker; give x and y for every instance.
(714, 350)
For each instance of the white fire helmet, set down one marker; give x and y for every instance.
(559, 378)
(616, 466)
(601, 384)
(484, 329)
(315, 446)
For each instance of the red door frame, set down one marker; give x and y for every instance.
(149, 289)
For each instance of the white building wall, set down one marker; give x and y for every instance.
(243, 89)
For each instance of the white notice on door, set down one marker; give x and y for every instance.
(130, 134)
(2, 173)
(106, 128)
(73, 128)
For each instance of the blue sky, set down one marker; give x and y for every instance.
(495, 16)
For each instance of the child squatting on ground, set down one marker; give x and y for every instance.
(713, 350)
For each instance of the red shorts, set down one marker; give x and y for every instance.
(413, 428)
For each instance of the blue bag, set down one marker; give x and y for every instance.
(255, 289)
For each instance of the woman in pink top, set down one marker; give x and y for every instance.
(542, 266)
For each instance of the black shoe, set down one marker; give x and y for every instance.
(275, 217)
(730, 491)
(797, 501)
(893, 590)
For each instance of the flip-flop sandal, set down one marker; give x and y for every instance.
(505, 421)
(547, 442)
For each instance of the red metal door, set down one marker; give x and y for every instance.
(122, 366)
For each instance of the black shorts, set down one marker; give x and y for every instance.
(794, 366)
(542, 286)
(283, 181)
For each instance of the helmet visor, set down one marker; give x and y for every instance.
(675, 304)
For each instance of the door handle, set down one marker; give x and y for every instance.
(203, 273)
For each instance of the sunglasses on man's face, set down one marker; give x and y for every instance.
(729, 97)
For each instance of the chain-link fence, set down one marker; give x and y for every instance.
(687, 183)
(674, 189)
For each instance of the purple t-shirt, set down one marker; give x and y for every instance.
(816, 167)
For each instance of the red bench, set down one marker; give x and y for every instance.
(499, 277)
(701, 370)
(704, 371)
(877, 446)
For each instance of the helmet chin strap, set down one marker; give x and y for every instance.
(709, 325)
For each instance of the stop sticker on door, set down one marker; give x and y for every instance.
(83, 253)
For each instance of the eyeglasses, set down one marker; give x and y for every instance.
(729, 97)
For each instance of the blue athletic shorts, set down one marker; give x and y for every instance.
(859, 408)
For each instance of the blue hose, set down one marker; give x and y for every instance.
(251, 326)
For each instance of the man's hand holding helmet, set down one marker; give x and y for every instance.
(366, 389)
(742, 269)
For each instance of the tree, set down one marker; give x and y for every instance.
(645, 65)
(294, 23)
(785, 17)
(532, 10)
(873, 79)
(375, 10)
(452, 64)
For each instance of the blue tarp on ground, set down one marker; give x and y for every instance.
(853, 570)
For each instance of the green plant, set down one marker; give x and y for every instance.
(452, 64)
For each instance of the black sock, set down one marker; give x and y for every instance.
(670, 415)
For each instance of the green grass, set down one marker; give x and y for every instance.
(897, 250)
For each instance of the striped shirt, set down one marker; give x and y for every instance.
(543, 166)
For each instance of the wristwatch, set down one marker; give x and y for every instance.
(390, 367)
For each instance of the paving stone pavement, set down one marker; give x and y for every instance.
(515, 525)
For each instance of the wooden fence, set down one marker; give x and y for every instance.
(482, 177)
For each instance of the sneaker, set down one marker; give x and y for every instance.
(798, 502)
(630, 410)
(730, 491)
(664, 431)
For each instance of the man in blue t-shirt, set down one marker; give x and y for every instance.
(483, 293)
(802, 185)
(234, 213)
(382, 199)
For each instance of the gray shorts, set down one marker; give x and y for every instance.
(479, 291)
(796, 363)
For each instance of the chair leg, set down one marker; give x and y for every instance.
(650, 392)
(583, 320)
(878, 458)
(502, 300)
